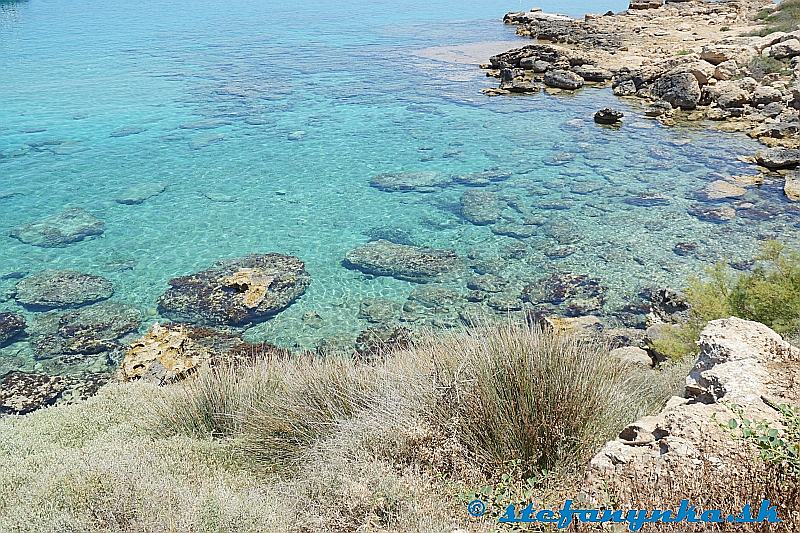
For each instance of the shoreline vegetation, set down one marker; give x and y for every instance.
(204, 432)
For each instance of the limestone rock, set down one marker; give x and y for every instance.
(563, 79)
(89, 331)
(480, 207)
(792, 187)
(632, 355)
(139, 193)
(51, 289)
(778, 158)
(73, 225)
(786, 49)
(12, 325)
(721, 189)
(740, 363)
(608, 116)
(680, 90)
(592, 73)
(726, 70)
(411, 263)
(170, 352)
(236, 292)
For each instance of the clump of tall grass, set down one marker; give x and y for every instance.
(504, 395)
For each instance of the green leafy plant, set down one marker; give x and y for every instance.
(778, 446)
(784, 18)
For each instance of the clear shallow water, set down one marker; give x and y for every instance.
(214, 93)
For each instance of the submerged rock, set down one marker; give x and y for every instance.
(23, 392)
(237, 291)
(91, 330)
(411, 263)
(712, 214)
(423, 181)
(578, 294)
(378, 310)
(12, 326)
(480, 207)
(791, 187)
(139, 193)
(73, 225)
(721, 189)
(381, 341)
(51, 289)
(170, 352)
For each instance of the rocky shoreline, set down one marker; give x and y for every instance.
(684, 62)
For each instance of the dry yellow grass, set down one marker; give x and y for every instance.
(322, 444)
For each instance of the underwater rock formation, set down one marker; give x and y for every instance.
(410, 263)
(237, 291)
(73, 225)
(12, 325)
(51, 289)
(23, 392)
(94, 330)
(424, 181)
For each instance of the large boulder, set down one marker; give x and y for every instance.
(593, 73)
(12, 325)
(236, 292)
(680, 90)
(608, 116)
(171, 352)
(717, 53)
(51, 289)
(563, 79)
(411, 263)
(71, 226)
(742, 365)
(786, 49)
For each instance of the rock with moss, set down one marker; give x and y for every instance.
(73, 225)
(236, 292)
(50, 289)
(411, 263)
(12, 326)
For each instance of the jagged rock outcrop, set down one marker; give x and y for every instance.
(741, 363)
(170, 352)
(237, 291)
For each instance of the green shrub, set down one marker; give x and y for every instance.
(760, 66)
(769, 294)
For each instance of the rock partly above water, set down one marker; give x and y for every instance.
(170, 352)
(236, 292)
(411, 263)
(62, 288)
(73, 225)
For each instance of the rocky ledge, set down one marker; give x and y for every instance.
(685, 61)
(743, 366)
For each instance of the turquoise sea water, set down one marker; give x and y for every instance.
(209, 98)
